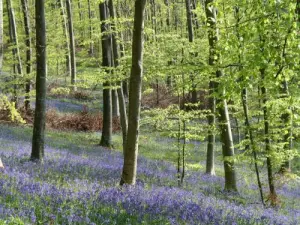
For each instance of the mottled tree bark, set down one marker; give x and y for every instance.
(28, 51)
(72, 43)
(37, 152)
(135, 90)
(106, 138)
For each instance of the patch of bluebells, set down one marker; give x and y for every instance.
(83, 189)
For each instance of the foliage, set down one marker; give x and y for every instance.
(9, 112)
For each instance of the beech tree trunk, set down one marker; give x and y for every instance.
(135, 90)
(37, 152)
(106, 138)
(67, 41)
(120, 94)
(72, 43)
(252, 141)
(273, 195)
(223, 115)
(28, 51)
(17, 67)
(210, 154)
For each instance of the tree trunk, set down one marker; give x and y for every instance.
(210, 158)
(72, 43)
(1, 35)
(28, 51)
(17, 68)
(273, 195)
(67, 41)
(189, 20)
(288, 137)
(131, 148)
(115, 103)
(252, 142)
(37, 153)
(106, 138)
(191, 39)
(120, 94)
(223, 115)
(91, 50)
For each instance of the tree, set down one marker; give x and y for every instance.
(28, 51)
(17, 67)
(67, 41)
(223, 115)
(135, 89)
(72, 43)
(120, 94)
(37, 152)
(106, 138)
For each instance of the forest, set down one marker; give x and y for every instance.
(150, 112)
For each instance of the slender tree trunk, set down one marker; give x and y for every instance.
(273, 195)
(288, 137)
(37, 153)
(67, 41)
(189, 18)
(72, 43)
(1, 35)
(91, 50)
(223, 115)
(196, 22)
(131, 148)
(14, 37)
(168, 20)
(28, 51)
(17, 68)
(121, 99)
(252, 142)
(210, 155)
(106, 138)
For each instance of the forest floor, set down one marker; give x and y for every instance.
(78, 183)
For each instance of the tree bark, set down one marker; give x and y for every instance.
(273, 195)
(252, 142)
(210, 158)
(17, 67)
(120, 94)
(131, 148)
(67, 41)
(28, 51)
(37, 152)
(91, 50)
(106, 138)
(223, 115)
(72, 43)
